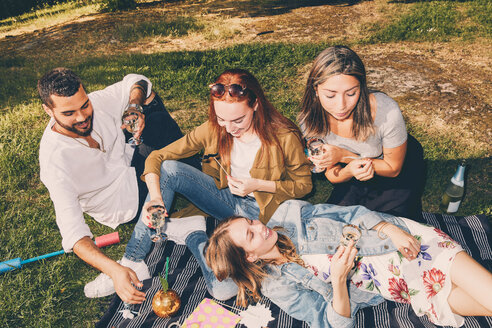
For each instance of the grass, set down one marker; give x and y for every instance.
(436, 21)
(43, 294)
(45, 17)
(50, 293)
(480, 12)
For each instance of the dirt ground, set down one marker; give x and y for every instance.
(440, 86)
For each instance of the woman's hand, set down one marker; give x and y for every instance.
(407, 244)
(145, 213)
(342, 262)
(242, 186)
(361, 169)
(330, 156)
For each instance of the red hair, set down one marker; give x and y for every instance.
(266, 119)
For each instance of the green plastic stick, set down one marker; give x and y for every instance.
(167, 266)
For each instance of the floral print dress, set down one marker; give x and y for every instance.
(425, 282)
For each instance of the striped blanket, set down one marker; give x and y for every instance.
(472, 232)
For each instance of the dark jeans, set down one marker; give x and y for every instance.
(399, 196)
(160, 130)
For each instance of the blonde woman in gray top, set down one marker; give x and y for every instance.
(367, 153)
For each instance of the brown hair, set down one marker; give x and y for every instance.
(333, 61)
(266, 119)
(226, 259)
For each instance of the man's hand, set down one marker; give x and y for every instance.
(137, 133)
(124, 280)
(122, 277)
(242, 186)
(138, 94)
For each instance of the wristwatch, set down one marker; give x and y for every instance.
(135, 107)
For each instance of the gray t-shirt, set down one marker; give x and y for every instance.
(390, 131)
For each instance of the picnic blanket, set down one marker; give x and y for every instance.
(472, 232)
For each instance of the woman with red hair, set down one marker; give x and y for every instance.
(253, 161)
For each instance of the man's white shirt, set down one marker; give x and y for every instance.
(87, 180)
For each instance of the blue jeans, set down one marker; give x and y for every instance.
(200, 189)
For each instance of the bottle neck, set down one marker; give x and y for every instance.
(459, 177)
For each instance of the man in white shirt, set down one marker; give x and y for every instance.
(88, 167)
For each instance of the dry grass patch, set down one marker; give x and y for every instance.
(308, 24)
(217, 32)
(370, 14)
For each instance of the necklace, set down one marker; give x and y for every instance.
(101, 146)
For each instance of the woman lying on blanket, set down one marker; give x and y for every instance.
(368, 155)
(254, 160)
(300, 268)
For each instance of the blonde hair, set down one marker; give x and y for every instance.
(226, 259)
(333, 61)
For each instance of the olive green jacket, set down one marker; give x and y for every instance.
(289, 170)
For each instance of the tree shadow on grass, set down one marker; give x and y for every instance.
(416, 1)
(253, 8)
(278, 7)
(16, 78)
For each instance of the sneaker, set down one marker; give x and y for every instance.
(103, 285)
(178, 229)
(100, 287)
(140, 268)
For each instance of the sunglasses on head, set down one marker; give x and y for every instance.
(235, 90)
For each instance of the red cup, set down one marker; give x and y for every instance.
(109, 239)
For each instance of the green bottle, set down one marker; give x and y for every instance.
(453, 195)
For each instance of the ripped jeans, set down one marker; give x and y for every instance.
(200, 189)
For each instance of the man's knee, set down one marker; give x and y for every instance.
(155, 105)
(159, 118)
(160, 130)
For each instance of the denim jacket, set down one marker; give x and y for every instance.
(316, 229)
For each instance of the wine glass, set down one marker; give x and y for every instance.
(313, 148)
(130, 118)
(158, 216)
(350, 232)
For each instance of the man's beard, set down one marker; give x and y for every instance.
(73, 128)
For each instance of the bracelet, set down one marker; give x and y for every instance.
(380, 229)
(135, 107)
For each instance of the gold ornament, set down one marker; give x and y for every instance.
(166, 303)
